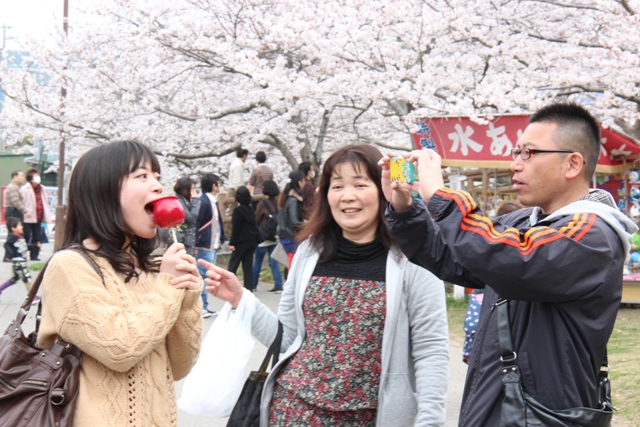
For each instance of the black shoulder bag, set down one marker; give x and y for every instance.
(521, 410)
(246, 413)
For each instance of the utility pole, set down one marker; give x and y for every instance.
(4, 37)
(60, 208)
(4, 44)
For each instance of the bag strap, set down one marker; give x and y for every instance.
(272, 353)
(266, 205)
(208, 223)
(205, 226)
(508, 356)
(604, 385)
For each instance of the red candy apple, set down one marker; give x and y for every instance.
(168, 212)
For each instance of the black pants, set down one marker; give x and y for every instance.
(32, 236)
(13, 212)
(244, 253)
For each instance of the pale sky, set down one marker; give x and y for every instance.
(29, 17)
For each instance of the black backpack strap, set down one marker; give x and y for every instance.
(266, 205)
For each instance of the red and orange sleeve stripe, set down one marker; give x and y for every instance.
(579, 225)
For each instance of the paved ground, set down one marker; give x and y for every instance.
(12, 297)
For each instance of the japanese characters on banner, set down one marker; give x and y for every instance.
(487, 142)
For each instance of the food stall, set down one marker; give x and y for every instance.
(477, 152)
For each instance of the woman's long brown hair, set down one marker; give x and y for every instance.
(322, 229)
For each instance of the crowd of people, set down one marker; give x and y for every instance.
(26, 213)
(251, 203)
(362, 310)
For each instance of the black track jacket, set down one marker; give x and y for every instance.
(562, 275)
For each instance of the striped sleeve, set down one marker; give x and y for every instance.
(526, 242)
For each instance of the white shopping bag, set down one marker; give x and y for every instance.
(213, 386)
(280, 255)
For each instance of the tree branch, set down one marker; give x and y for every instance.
(276, 142)
(220, 114)
(324, 125)
(625, 4)
(183, 156)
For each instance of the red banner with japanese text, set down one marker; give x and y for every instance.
(487, 142)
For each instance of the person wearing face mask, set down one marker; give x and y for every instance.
(37, 212)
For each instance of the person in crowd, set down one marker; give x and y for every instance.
(37, 212)
(308, 189)
(266, 213)
(244, 236)
(365, 338)
(290, 218)
(187, 231)
(261, 173)
(472, 318)
(13, 199)
(210, 235)
(557, 264)
(15, 251)
(236, 172)
(135, 317)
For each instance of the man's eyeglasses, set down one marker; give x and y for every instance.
(526, 153)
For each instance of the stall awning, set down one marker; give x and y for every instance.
(464, 143)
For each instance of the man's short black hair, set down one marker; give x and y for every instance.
(208, 181)
(241, 152)
(577, 130)
(15, 173)
(304, 167)
(261, 156)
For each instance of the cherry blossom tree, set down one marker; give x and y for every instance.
(195, 79)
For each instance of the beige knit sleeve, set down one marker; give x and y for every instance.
(103, 321)
(184, 339)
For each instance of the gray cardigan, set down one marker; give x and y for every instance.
(415, 360)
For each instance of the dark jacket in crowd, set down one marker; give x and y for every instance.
(14, 247)
(290, 217)
(187, 231)
(203, 238)
(243, 221)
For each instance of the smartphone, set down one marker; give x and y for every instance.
(402, 170)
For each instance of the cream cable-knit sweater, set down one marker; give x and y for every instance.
(136, 339)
